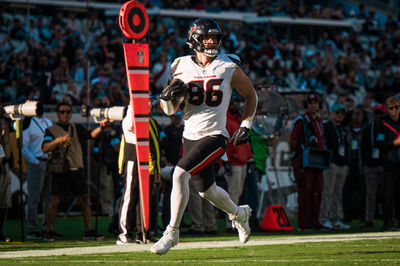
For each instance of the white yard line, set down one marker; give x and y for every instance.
(193, 245)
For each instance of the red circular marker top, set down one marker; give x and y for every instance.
(133, 20)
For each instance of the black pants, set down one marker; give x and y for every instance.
(391, 184)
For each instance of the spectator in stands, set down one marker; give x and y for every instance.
(161, 72)
(17, 31)
(372, 139)
(37, 180)
(307, 130)
(391, 153)
(102, 51)
(72, 93)
(66, 134)
(335, 176)
(61, 79)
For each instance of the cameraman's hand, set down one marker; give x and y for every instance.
(65, 140)
(105, 122)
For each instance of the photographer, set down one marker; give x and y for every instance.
(67, 136)
(38, 183)
(5, 178)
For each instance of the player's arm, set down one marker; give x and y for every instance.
(173, 94)
(243, 86)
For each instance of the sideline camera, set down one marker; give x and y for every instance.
(116, 113)
(33, 108)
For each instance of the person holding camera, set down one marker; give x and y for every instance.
(308, 131)
(38, 183)
(64, 138)
(5, 178)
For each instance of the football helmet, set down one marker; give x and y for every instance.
(199, 29)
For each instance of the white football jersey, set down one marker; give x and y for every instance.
(209, 94)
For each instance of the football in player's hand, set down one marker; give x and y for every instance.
(175, 91)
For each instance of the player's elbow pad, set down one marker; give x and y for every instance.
(167, 107)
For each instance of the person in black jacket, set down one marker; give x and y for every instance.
(354, 187)
(372, 138)
(391, 152)
(334, 178)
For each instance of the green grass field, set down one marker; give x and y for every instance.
(385, 251)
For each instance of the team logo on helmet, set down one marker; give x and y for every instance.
(139, 57)
(192, 29)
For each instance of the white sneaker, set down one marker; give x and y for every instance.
(340, 225)
(128, 241)
(327, 224)
(169, 239)
(241, 223)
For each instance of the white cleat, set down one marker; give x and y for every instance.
(169, 239)
(241, 223)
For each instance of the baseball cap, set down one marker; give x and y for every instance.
(312, 98)
(337, 107)
(380, 107)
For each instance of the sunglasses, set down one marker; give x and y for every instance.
(394, 107)
(65, 111)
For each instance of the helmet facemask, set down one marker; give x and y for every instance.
(200, 30)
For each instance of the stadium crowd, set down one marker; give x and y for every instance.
(55, 55)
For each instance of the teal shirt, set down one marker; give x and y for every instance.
(259, 147)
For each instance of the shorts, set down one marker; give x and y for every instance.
(199, 157)
(72, 181)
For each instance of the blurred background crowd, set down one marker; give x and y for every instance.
(58, 53)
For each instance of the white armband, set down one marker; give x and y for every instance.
(246, 124)
(167, 107)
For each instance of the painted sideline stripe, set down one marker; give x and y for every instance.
(194, 245)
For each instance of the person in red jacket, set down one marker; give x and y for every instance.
(238, 156)
(309, 181)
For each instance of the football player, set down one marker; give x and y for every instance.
(204, 83)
